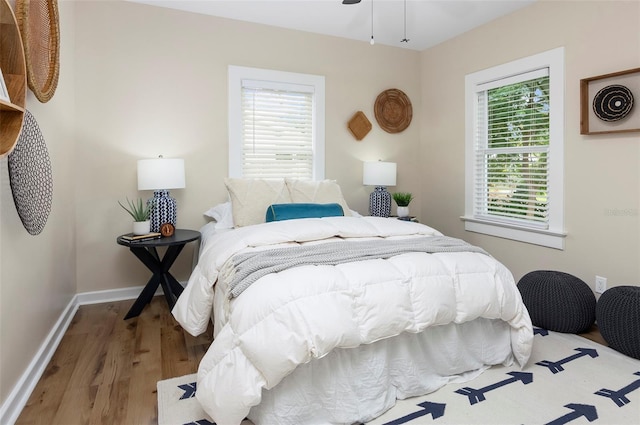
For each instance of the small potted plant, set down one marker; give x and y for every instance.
(402, 200)
(140, 211)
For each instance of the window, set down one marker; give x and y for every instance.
(514, 150)
(276, 124)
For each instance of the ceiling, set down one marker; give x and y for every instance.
(428, 22)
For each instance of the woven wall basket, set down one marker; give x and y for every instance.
(359, 125)
(30, 177)
(393, 110)
(39, 27)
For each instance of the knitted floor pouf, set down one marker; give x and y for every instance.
(618, 316)
(558, 301)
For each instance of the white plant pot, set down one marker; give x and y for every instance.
(141, 227)
(403, 211)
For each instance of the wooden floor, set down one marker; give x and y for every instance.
(594, 335)
(105, 369)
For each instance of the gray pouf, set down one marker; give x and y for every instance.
(558, 301)
(618, 315)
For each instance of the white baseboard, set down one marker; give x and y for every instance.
(110, 295)
(19, 395)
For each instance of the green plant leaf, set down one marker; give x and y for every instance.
(137, 209)
(402, 198)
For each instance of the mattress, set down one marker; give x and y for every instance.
(302, 344)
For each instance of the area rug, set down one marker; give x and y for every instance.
(569, 379)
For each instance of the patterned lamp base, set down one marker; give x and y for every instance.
(380, 202)
(163, 209)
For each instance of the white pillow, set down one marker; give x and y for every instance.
(222, 214)
(251, 197)
(317, 192)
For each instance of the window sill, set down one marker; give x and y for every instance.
(540, 237)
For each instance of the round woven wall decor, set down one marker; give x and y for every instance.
(393, 110)
(613, 103)
(30, 177)
(39, 27)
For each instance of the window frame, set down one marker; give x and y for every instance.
(237, 74)
(553, 235)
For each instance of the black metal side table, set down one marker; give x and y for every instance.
(147, 253)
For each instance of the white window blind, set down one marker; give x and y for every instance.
(512, 150)
(277, 130)
(276, 124)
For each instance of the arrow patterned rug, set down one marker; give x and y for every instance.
(569, 380)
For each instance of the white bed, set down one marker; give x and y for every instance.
(340, 343)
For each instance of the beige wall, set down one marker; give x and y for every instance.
(153, 81)
(602, 180)
(37, 273)
(138, 81)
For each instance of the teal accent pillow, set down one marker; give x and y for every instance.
(277, 212)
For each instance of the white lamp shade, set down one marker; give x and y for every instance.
(378, 173)
(161, 173)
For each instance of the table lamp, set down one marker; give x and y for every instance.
(379, 174)
(160, 175)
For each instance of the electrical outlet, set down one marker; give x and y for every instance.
(601, 284)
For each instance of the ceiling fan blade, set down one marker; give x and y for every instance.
(350, 1)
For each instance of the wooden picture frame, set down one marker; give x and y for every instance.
(4, 92)
(617, 109)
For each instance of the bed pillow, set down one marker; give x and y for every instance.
(317, 192)
(277, 212)
(222, 214)
(251, 197)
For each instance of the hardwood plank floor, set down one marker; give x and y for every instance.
(105, 369)
(594, 335)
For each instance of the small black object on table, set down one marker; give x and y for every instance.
(147, 253)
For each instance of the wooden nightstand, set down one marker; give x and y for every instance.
(147, 253)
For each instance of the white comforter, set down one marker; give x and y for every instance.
(289, 318)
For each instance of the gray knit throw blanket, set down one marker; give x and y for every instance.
(245, 269)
